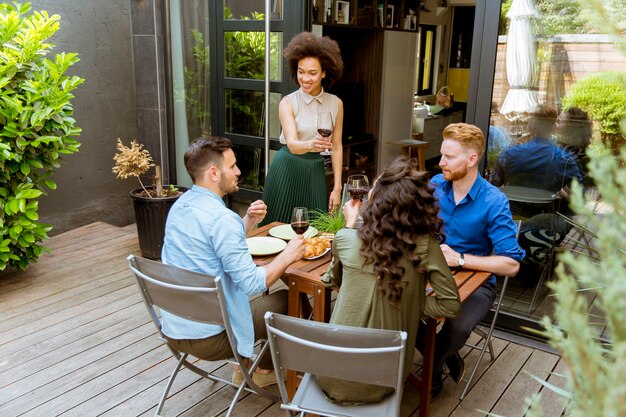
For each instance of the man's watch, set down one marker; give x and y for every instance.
(462, 259)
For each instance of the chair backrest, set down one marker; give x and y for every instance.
(356, 354)
(191, 295)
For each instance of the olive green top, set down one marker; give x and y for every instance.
(359, 302)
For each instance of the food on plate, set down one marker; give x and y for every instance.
(315, 246)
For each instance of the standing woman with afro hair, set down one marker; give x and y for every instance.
(296, 177)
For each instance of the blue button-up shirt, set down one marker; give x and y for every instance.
(203, 235)
(539, 163)
(481, 224)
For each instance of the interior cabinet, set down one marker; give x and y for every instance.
(369, 77)
(385, 14)
(359, 157)
(433, 131)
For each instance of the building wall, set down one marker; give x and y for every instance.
(568, 59)
(104, 106)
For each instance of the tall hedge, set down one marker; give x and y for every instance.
(36, 127)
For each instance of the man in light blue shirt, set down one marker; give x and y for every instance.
(480, 234)
(203, 235)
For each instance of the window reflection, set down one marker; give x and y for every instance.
(245, 113)
(251, 162)
(551, 104)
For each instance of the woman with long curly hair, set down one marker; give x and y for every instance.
(382, 267)
(297, 177)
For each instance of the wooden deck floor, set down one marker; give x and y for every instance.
(75, 340)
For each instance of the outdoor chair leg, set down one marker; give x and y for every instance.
(487, 342)
(169, 384)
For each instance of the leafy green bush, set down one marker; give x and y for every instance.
(603, 96)
(36, 127)
(595, 367)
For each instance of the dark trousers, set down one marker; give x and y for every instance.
(218, 347)
(455, 332)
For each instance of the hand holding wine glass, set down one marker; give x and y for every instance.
(325, 128)
(300, 220)
(358, 186)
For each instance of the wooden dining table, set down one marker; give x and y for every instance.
(304, 277)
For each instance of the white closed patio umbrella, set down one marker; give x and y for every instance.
(522, 71)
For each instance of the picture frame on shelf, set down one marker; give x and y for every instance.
(389, 16)
(342, 12)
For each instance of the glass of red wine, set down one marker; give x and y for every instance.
(300, 220)
(358, 186)
(325, 128)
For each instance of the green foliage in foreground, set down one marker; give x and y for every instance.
(596, 384)
(36, 127)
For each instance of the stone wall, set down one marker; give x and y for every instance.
(99, 31)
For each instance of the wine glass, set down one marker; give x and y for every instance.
(300, 220)
(358, 186)
(325, 128)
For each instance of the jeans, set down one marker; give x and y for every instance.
(456, 331)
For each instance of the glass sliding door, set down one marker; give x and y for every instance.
(541, 120)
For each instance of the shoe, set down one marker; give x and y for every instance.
(262, 380)
(456, 367)
(437, 386)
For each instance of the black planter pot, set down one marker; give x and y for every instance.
(151, 214)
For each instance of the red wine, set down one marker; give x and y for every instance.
(357, 193)
(325, 132)
(300, 227)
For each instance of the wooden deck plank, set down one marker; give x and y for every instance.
(105, 392)
(54, 281)
(63, 327)
(491, 385)
(449, 401)
(553, 404)
(512, 402)
(39, 348)
(73, 297)
(83, 383)
(41, 370)
(81, 310)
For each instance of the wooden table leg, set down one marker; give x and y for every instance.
(427, 367)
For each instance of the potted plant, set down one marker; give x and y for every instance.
(151, 203)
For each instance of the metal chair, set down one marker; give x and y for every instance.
(355, 354)
(196, 297)
(485, 336)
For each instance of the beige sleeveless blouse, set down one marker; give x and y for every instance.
(305, 109)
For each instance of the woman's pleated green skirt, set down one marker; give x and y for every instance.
(294, 181)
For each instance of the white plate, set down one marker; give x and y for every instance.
(284, 231)
(263, 245)
(318, 256)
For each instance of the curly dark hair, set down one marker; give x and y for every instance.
(401, 207)
(326, 50)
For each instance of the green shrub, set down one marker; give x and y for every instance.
(603, 96)
(36, 127)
